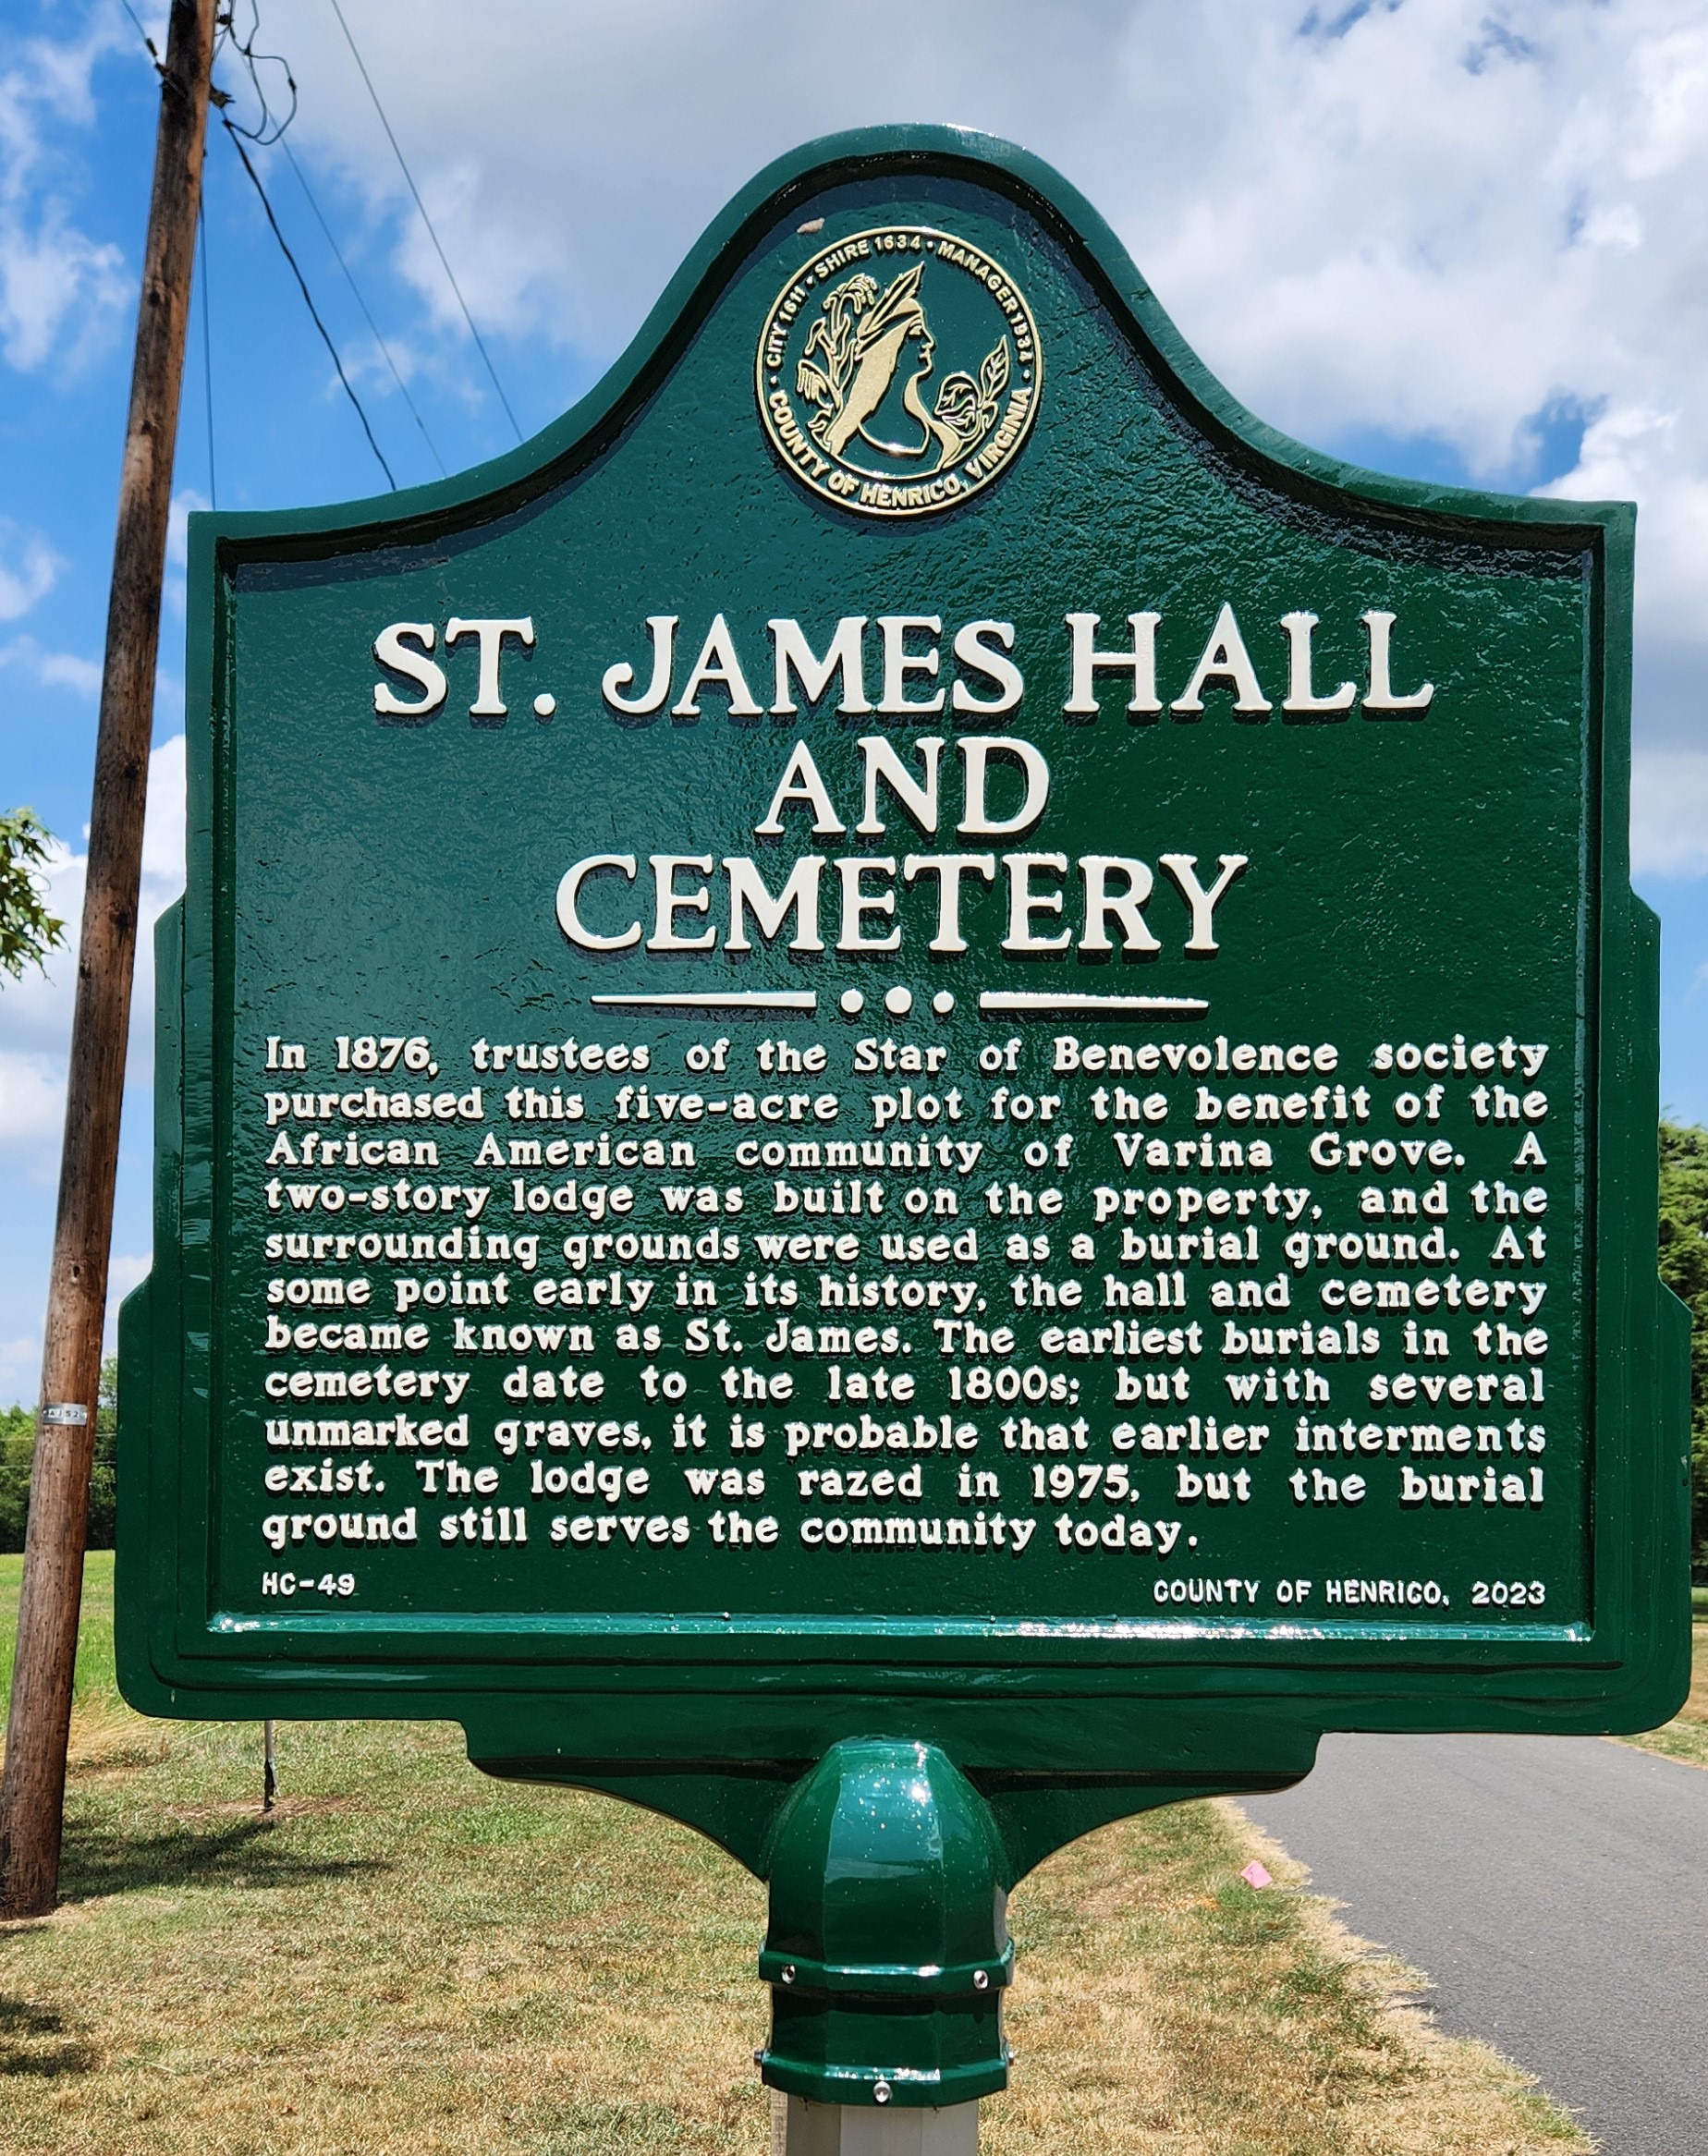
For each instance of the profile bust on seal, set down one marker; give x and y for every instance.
(847, 359)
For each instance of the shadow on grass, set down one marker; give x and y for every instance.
(247, 1853)
(36, 2040)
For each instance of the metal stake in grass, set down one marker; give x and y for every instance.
(269, 1767)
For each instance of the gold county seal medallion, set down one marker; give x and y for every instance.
(899, 370)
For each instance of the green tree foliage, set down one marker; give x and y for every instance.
(1684, 1268)
(17, 1452)
(28, 932)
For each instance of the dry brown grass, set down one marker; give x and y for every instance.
(1163, 2008)
(1686, 1735)
(417, 1961)
(409, 1960)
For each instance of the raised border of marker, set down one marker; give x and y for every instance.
(909, 1064)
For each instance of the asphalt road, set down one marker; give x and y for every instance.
(1556, 1890)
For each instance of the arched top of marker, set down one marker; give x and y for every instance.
(903, 192)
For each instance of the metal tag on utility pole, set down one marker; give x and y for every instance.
(910, 1032)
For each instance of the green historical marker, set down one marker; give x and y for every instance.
(907, 1097)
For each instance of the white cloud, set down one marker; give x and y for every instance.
(1669, 812)
(61, 291)
(163, 833)
(184, 502)
(53, 669)
(32, 1106)
(51, 278)
(27, 569)
(66, 670)
(20, 1367)
(1424, 218)
(124, 1272)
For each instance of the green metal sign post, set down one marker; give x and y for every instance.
(907, 1097)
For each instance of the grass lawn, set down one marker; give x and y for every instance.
(1686, 1735)
(410, 1958)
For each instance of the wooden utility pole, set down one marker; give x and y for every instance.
(32, 1794)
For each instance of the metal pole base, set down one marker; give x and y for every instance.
(800, 2128)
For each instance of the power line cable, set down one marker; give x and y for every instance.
(367, 316)
(271, 129)
(270, 125)
(237, 143)
(426, 220)
(152, 52)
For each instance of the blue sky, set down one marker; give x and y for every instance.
(1462, 241)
